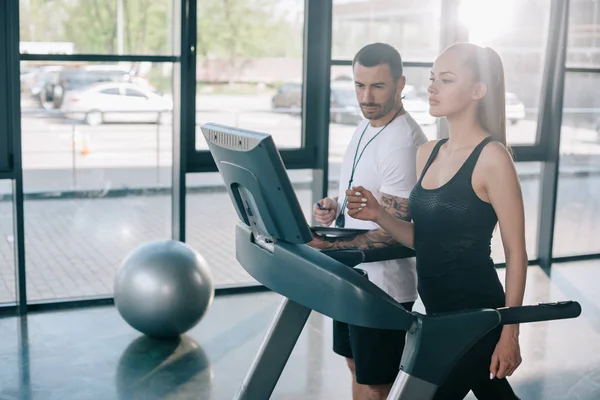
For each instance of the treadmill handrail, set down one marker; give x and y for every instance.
(508, 315)
(539, 312)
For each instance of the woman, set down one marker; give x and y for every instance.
(467, 185)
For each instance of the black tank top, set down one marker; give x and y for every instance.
(453, 230)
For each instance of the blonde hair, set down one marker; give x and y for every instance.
(488, 69)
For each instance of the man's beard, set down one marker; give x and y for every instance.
(384, 108)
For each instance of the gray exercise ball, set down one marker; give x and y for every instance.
(163, 288)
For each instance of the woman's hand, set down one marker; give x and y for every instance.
(361, 204)
(507, 355)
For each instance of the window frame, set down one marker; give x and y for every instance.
(313, 154)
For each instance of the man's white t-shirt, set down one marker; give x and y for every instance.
(387, 165)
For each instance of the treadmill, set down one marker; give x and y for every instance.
(271, 237)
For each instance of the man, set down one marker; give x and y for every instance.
(382, 158)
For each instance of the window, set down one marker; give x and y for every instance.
(413, 27)
(249, 67)
(7, 244)
(249, 71)
(96, 27)
(5, 147)
(111, 92)
(135, 93)
(529, 176)
(584, 34)
(576, 230)
(97, 175)
(509, 27)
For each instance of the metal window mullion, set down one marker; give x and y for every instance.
(184, 113)
(10, 31)
(405, 64)
(583, 70)
(316, 91)
(99, 58)
(550, 121)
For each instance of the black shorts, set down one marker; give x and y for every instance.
(376, 352)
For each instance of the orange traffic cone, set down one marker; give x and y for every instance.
(86, 149)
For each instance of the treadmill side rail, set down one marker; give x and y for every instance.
(274, 351)
(410, 387)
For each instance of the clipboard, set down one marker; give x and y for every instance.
(333, 232)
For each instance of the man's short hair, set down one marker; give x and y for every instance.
(380, 53)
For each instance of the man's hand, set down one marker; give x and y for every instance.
(326, 215)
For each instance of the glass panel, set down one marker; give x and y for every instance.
(250, 67)
(584, 33)
(529, 175)
(413, 27)
(211, 220)
(576, 230)
(97, 172)
(345, 112)
(96, 27)
(7, 245)
(507, 26)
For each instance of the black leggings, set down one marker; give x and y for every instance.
(472, 372)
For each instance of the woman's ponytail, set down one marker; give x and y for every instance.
(492, 107)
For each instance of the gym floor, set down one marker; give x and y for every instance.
(93, 354)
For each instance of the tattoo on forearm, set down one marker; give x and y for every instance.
(398, 207)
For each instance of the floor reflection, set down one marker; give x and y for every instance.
(158, 369)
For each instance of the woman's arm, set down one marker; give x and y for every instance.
(504, 191)
(401, 231)
(363, 205)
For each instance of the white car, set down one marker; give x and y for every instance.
(515, 109)
(116, 102)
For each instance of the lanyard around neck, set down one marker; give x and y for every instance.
(355, 160)
(340, 221)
